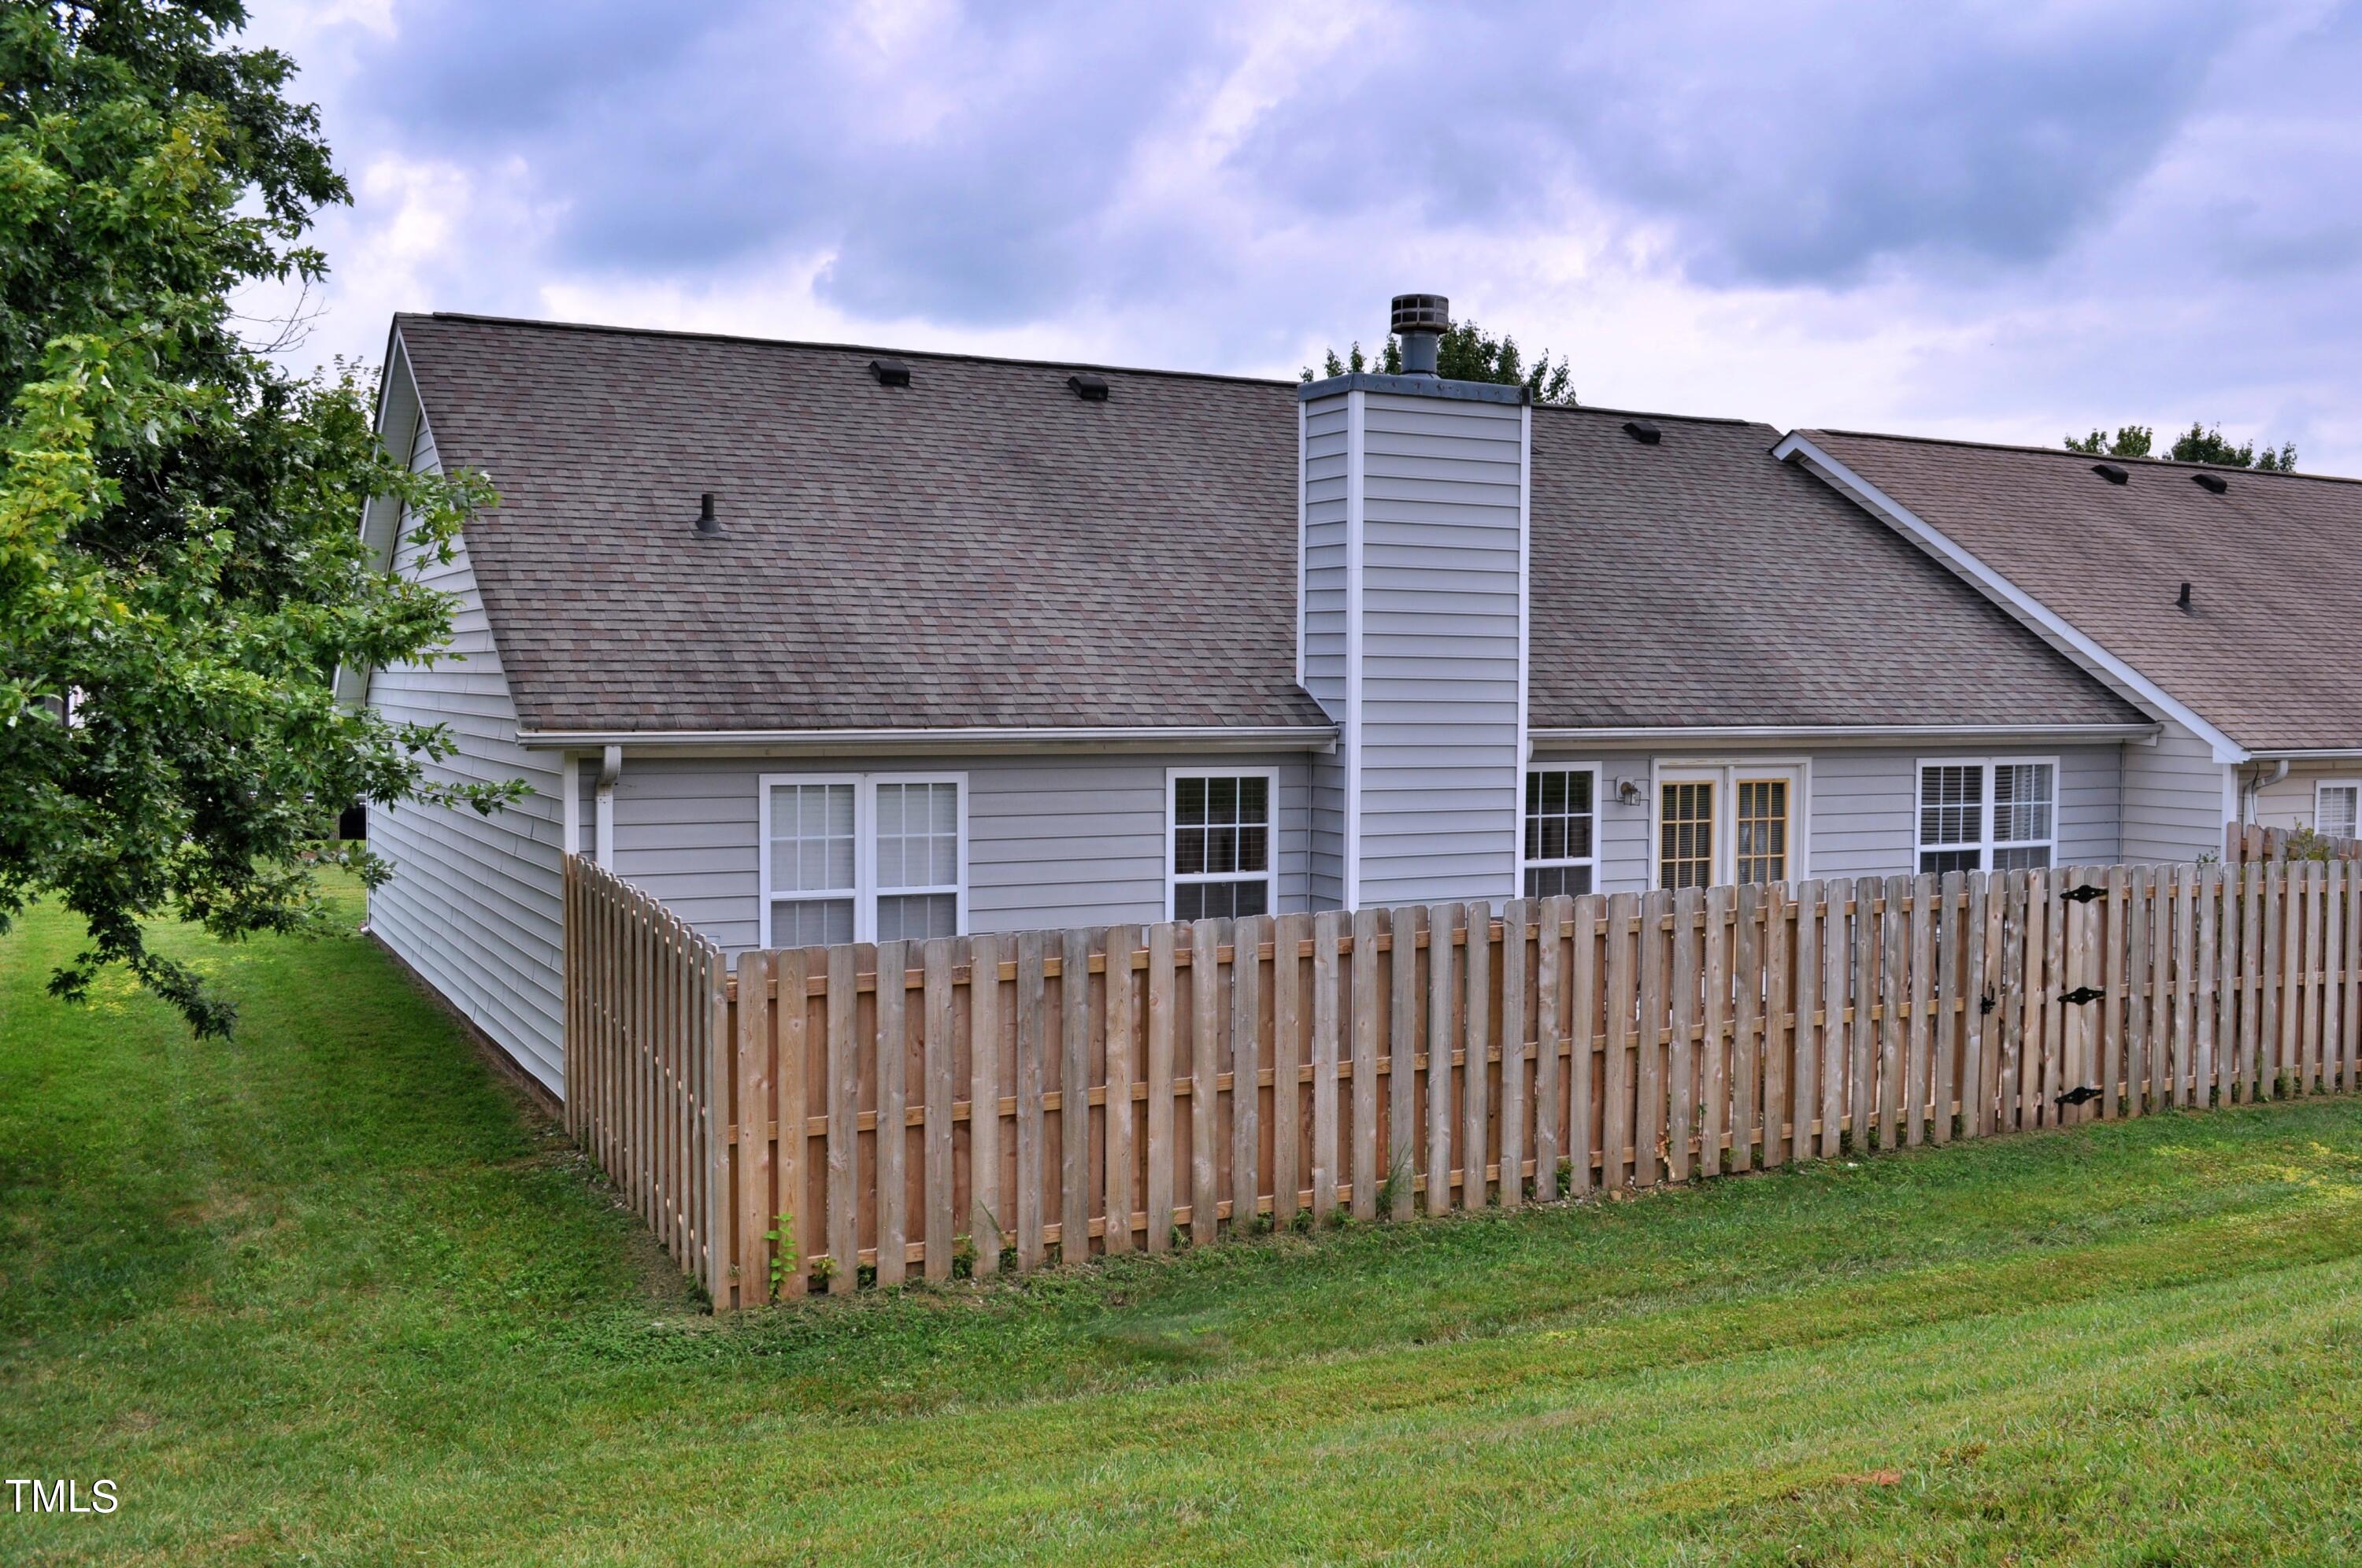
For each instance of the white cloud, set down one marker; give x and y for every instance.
(1926, 220)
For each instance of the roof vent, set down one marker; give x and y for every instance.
(1090, 388)
(890, 372)
(1420, 321)
(2184, 601)
(1640, 430)
(706, 522)
(2110, 473)
(2214, 483)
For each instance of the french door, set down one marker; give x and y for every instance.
(1728, 823)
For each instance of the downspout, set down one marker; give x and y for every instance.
(2255, 786)
(611, 767)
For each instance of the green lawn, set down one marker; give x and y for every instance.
(326, 1292)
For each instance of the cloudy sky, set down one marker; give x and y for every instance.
(2002, 221)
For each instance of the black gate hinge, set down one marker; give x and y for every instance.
(2082, 994)
(2084, 894)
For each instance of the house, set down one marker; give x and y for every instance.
(2223, 601)
(820, 644)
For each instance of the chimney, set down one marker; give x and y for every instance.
(1420, 320)
(1412, 623)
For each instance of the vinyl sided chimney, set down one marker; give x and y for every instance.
(1411, 622)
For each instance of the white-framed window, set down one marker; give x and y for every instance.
(1720, 822)
(1561, 831)
(1221, 833)
(862, 858)
(1987, 814)
(2337, 808)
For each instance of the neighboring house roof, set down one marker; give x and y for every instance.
(2265, 653)
(983, 549)
(1700, 582)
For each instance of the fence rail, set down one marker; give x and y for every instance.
(962, 1104)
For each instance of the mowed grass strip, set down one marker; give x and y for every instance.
(327, 1289)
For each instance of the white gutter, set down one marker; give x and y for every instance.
(2046, 624)
(1840, 734)
(1275, 738)
(2317, 754)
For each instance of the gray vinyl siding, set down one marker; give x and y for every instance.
(1323, 608)
(1859, 805)
(2291, 801)
(1052, 842)
(474, 903)
(1328, 832)
(1441, 595)
(2173, 797)
(1864, 807)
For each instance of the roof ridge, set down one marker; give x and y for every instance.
(751, 341)
(1658, 414)
(1810, 430)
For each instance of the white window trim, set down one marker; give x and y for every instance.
(865, 889)
(1174, 878)
(1593, 859)
(1728, 772)
(2321, 784)
(1986, 844)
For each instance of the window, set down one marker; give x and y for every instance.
(1718, 822)
(865, 858)
(1219, 845)
(1685, 833)
(918, 859)
(1763, 823)
(812, 859)
(1987, 815)
(2337, 808)
(1560, 846)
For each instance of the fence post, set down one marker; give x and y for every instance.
(1367, 924)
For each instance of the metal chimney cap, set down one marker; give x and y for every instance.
(1421, 312)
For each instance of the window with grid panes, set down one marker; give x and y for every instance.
(1686, 835)
(1222, 846)
(1987, 816)
(1951, 817)
(1759, 816)
(918, 860)
(814, 879)
(2024, 813)
(1561, 851)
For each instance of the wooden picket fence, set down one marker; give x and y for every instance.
(647, 1036)
(2245, 844)
(1043, 1096)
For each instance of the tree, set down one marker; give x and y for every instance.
(2130, 441)
(2210, 445)
(180, 567)
(2196, 445)
(1466, 352)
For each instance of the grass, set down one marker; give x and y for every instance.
(326, 1292)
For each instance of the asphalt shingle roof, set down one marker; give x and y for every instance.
(983, 548)
(1701, 582)
(2268, 652)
